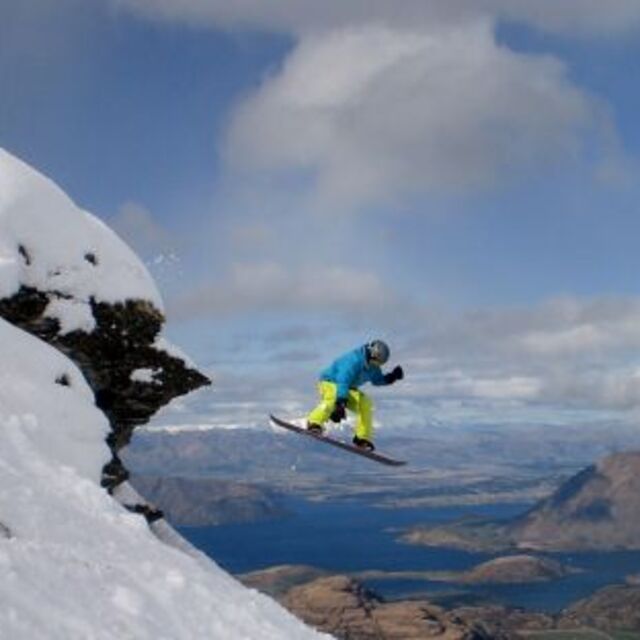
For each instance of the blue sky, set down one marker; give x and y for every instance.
(459, 178)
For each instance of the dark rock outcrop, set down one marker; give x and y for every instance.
(123, 342)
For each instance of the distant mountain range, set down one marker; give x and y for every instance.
(596, 509)
(599, 508)
(463, 465)
(207, 502)
(253, 452)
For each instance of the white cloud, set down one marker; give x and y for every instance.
(476, 367)
(582, 17)
(610, 388)
(588, 329)
(301, 16)
(372, 112)
(273, 286)
(573, 339)
(571, 354)
(467, 382)
(567, 353)
(380, 100)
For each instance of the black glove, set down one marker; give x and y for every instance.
(392, 376)
(340, 411)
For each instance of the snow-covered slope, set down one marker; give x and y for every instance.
(74, 563)
(48, 243)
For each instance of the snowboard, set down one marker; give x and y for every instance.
(335, 442)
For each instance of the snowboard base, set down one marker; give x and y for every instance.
(335, 442)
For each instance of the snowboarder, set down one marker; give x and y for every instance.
(338, 389)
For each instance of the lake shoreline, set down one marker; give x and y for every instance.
(352, 537)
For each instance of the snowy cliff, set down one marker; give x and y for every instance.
(76, 564)
(69, 280)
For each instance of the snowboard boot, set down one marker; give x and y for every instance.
(315, 429)
(362, 443)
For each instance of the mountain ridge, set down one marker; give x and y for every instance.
(597, 509)
(594, 510)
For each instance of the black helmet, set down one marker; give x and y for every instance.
(377, 352)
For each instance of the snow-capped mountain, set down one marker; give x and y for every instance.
(75, 563)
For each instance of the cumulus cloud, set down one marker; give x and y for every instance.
(567, 352)
(381, 100)
(371, 113)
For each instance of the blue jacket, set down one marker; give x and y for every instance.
(352, 370)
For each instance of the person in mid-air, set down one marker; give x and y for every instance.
(338, 389)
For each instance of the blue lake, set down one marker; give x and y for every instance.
(349, 536)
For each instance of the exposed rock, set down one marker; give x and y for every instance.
(5, 532)
(515, 569)
(613, 608)
(207, 501)
(420, 619)
(123, 341)
(343, 607)
(337, 604)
